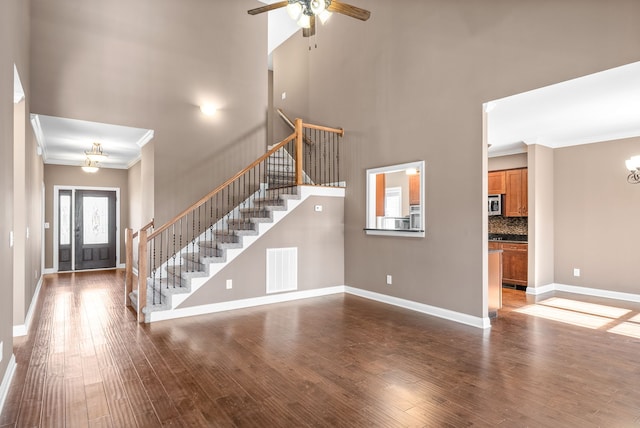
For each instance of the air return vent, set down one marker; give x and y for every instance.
(282, 269)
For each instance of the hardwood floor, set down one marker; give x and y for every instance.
(331, 361)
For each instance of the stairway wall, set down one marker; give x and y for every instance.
(319, 237)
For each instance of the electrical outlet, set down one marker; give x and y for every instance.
(389, 280)
(576, 272)
(229, 284)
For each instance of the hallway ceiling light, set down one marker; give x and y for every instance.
(633, 165)
(90, 166)
(96, 154)
(208, 109)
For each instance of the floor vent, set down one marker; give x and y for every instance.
(282, 269)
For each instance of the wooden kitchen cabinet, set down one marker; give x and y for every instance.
(515, 261)
(497, 183)
(516, 197)
(414, 189)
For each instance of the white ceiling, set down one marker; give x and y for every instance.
(598, 107)
(64, 141)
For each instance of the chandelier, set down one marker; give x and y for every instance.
(94, 156)
(302, 11)
(633, 165)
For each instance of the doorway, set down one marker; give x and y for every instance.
(86, 225)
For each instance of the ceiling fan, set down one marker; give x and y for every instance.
(304, 12)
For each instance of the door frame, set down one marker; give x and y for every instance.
(56, 196)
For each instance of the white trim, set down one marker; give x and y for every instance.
(134, 270)
(6, 381)
(37, 131)
(435, 311)
(145, 138)
(534, 291)
(22, 329)
(48, 271)
(408, 233)
(121, 266)
(241, 304)
(56, 190)
(18, 90)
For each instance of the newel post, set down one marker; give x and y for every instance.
(142, 273)
(128, 265)
(299, 153)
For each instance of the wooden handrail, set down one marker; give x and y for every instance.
(209, 195)
(145, 227)
(339, 131)
(286, 119)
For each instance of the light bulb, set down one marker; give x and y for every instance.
(90, 169)
(318, 6)
(304, 21)
(294, 10)
(324, 16)
(208, 109)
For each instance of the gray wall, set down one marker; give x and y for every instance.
(61, 175)
(150, 64)
(596, 216)
(409, 84)
(319, 237)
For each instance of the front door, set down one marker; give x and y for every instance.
(95, 229)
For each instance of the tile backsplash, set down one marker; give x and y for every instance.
(508, 225)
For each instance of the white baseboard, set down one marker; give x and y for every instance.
(241, 304)
(122, 266)
(423, 308)
(135, 271)
(49, 271)
(541, 290)
(22, 329)
(6, 381)
(447, 314)
(596, 292)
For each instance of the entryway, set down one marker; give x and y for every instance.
(86, 224)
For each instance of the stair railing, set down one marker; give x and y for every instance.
(175, 250)
(129, 239)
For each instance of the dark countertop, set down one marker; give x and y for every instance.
(503, 237)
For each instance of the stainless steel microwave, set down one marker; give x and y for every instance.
(495, 204)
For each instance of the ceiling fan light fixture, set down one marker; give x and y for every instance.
(294, 9)
(318, 6)
(324, 16)
(304, 21)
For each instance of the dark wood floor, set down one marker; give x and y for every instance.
(330, 361)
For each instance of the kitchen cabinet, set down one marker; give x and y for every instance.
(516, 198)
(414, 189)
(515, 261)
(497, 183)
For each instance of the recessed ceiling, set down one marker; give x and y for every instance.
(64, 141)
(599, 107)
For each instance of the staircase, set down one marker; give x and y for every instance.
(179, 257)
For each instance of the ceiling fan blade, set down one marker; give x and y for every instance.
(268, 7)
(347, 9)
(311, 31)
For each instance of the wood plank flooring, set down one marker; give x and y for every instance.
(335, 361)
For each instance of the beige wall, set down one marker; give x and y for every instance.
(60, 175)
(541, 216)
(409, 84)
(596, 216)
(508, 162)
(319, 237)
(150, 64)
(14, 42)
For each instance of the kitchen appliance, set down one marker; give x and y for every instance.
(414, 217)
(495, 204)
